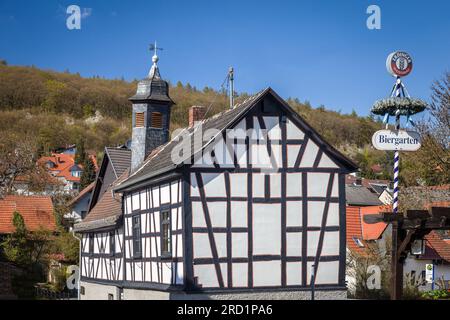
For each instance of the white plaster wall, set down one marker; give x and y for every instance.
(94, 291)
(419, 265)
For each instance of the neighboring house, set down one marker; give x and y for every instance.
(64, 174)
(363, 239)
(63, 167)
(360, 196)
(27, 185)
(224, 225)
(352, 179)
(361, 235)
(79, 205)
(116, 160)
(387, 196)
(70, 149)
(37, 212)
(437, 247)
(437, 252)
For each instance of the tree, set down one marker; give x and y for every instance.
(88, 175)
(358, 265)
(68, 245)
(24, 248)
(17, 158)
(431, 163)
(81, 155)
(27, 250)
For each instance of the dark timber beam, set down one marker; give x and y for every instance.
(416, 224)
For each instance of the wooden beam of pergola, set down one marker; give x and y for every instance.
(414, 225)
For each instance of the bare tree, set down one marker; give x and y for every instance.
(17, 158)
(430, 165)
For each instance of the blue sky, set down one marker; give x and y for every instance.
(319, 51)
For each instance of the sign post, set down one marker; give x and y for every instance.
(429, 274)
(398, 64)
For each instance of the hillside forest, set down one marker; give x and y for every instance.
(42, 110)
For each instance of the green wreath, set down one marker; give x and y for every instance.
(407, 106)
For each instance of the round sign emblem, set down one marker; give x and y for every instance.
(399, 64)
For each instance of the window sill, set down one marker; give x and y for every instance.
(166, 257)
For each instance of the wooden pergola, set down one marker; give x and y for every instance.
(415, 225)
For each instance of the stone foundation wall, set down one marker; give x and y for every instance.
(101, 292)
(94, 291)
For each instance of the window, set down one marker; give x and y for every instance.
(165, 234)
(413, 277)
(91, 243)
(156, 120)
(140, 120)
(112, 243)
(82, 290)
(358, 242)
(136, 236)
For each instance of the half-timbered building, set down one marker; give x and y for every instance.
(245, 204)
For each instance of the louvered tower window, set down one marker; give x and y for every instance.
(139, 123)
(157, 120)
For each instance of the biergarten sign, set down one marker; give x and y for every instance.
(396, 140)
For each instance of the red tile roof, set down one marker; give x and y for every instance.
(62, 164)
(373, 231)
(436, 247)
(438, 204)
(37, 212)
(358, 229)
(354, 230)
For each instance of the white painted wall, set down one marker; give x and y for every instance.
(152, 198)
(102, 265)
(413, 264)
(266, 217)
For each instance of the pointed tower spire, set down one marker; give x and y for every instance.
(151, 114)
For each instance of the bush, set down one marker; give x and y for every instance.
(436, 294)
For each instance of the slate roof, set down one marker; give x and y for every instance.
(107, 211)
(120, 159)
(37, 212)
(361, 196)
(378, 188)
(352, 180)
(159, 161)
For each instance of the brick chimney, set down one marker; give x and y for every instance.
(196, 113)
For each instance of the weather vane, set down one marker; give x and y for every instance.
(154, 47)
